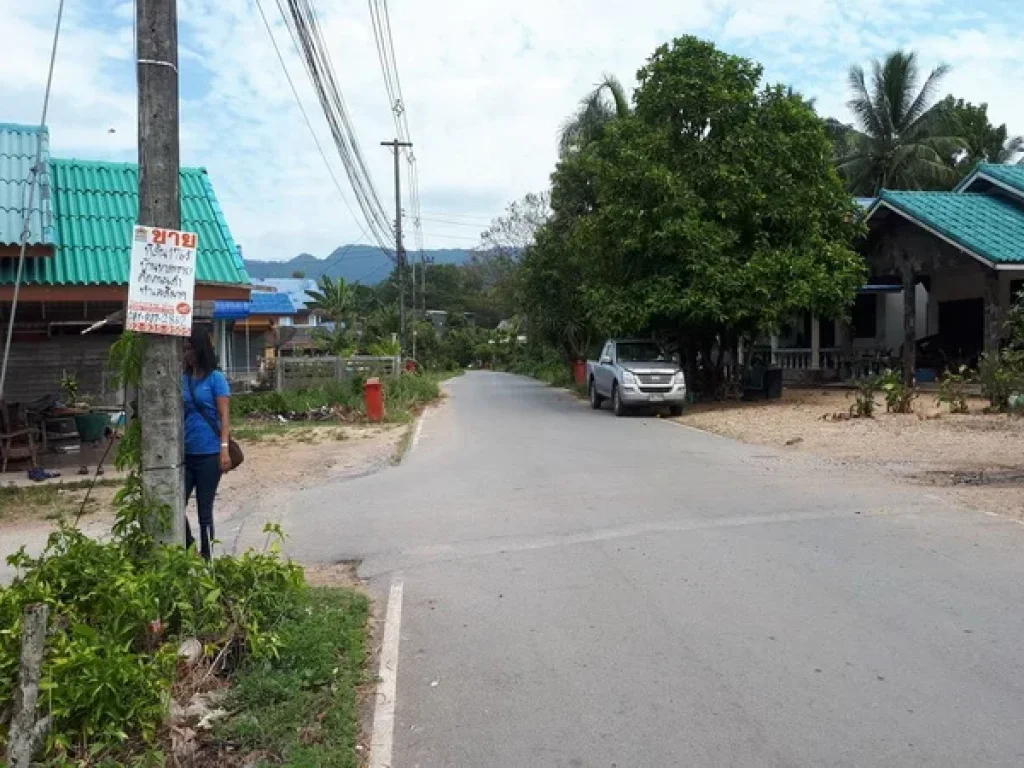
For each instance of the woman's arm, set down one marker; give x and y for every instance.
(224, 412)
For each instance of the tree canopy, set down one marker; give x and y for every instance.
(904, 138)
(712, 212)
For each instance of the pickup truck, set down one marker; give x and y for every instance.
(635, 372)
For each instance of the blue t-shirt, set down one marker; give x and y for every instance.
(200, 436)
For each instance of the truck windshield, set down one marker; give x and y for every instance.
(640, 352)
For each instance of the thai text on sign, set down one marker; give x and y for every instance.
(162, 281)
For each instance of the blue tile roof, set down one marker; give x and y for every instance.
(19, 145)
(270, 303)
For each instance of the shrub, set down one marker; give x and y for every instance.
(1001, 376)
(864, 405)
(899, 398)
(953, 390)
(118, 615)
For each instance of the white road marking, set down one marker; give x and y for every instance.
(419, 428)
(382, 739)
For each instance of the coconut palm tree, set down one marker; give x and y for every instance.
(607, 102)
(903, 138)
(334, 299)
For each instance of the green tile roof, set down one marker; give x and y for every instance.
(1010, 175)
(989, 226)
(18, 147)
(95, 206)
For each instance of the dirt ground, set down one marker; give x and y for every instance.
(978, 458)
(275, 459)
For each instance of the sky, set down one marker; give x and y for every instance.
(486, 84)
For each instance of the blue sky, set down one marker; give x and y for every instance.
(486, 85)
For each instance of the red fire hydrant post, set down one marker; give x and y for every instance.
(374, 396)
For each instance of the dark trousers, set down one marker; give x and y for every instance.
(202, 474)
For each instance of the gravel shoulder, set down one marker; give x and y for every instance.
(975, 458)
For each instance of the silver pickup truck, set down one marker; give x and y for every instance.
(635, 372)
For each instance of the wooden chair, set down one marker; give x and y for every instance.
(17, 437)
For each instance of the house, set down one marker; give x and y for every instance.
(297, 290)
(77, 261)
(944, 267)
(254, 330)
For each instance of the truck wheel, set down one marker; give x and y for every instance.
(595, 399)
(617, 407)
(675, 410)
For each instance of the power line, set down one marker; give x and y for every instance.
(304, 27)
(33, 180)
(454, 223)
(452, 237)
(309, 123)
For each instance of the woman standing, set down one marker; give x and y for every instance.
(205, 393)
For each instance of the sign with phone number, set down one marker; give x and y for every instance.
(162, 281)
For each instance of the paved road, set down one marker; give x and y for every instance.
(582, 590)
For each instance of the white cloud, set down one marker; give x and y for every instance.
(486, 86)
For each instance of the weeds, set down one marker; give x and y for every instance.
(953, 390)
(864, 403)
(899, 398)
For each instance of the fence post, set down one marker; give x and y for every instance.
(279, 371)
(26, 733)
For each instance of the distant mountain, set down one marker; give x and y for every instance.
(356, 263)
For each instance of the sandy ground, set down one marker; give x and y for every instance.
(976, 457)
(276, 464)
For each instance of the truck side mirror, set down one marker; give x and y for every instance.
(605, 360)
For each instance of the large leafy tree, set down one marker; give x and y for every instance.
(982, 141)
(904, 137)
(714, 212)
(598, 109)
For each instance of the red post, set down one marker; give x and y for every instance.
(579, 371)
(374, 397)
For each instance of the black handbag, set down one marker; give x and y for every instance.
(235, 452)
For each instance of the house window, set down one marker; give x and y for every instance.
(865, 316)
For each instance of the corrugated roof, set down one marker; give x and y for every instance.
(95, 206)
(270, 303)
(18, 147)
(988, 225)
(294, 287)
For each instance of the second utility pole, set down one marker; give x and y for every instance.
(396, 145)
(160, 405)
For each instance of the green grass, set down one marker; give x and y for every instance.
(301, 431)
(303, 708)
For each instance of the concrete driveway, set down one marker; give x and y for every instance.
(581, 590)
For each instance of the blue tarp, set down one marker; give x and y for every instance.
(230, 310)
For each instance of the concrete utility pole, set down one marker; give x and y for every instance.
(396, 145)
(160, 405)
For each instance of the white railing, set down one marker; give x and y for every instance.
(800, 358)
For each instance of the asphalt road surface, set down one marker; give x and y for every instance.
(581, 590)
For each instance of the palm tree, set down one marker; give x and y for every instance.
(335, 299)
(596, 110)
(904, 138)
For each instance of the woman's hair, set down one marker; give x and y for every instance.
(204, 360)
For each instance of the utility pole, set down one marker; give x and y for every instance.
(160, 405)
(396, 145)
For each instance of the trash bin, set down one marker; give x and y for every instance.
(374, 396)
